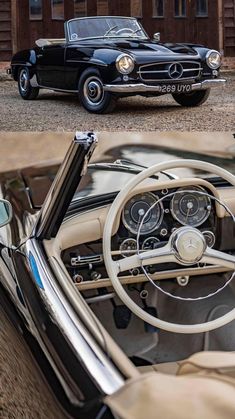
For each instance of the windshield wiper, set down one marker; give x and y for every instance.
(127, 166)
(110, 30)
(136, 31)
(128, 163)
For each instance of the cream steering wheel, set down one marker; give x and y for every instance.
(173, 251)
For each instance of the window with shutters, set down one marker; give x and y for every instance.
(202, 8)
(57, 9)
(35, 9)
(180, 8)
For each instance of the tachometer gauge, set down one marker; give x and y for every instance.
(138, 208)
(128, 247)
(190, 207)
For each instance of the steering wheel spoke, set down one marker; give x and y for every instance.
(151, 257)
(215, 257)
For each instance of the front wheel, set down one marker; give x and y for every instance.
(92, 94)
(27, 92)
(193, 98)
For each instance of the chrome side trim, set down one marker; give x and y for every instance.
(56, 90)
(136, 88)
(88, 352)
(22, 64)
(97, 62)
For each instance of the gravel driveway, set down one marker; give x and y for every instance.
(55, 111)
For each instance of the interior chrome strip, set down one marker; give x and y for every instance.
(100, 298)
(160, 276)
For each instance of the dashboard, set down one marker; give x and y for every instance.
(146, 221)
(153, 216)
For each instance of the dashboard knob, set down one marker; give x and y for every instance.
(95, 275)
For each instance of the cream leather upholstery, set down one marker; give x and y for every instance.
(170, 368)
(42, 42)
(203, 388)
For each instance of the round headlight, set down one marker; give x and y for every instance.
(125, 64)
(213, 59)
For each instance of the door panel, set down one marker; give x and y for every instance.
(50, 66)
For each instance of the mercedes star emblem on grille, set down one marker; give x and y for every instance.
(175, 70)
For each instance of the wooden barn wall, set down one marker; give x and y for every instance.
(229, 28)
(5, 30)
(192, 29)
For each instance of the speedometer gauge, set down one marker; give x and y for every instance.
(142, 207)
(191, 206)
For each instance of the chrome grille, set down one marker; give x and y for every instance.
(164, 71)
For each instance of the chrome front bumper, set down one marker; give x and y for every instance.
(144, 88)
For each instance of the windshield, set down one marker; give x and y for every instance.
(98, 182)
(102, 27)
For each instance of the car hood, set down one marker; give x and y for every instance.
(149, 50)
(139, 47)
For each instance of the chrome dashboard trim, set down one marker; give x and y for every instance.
(160, 276)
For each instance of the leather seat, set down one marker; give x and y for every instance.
(203, 388)
(170, 368)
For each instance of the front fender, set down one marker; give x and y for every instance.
(107, 56)
(202, 51)
(103, 59)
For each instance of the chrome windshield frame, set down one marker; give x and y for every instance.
(68, 34)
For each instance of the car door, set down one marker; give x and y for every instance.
(50, 66)
(75, 58)
(47, 311)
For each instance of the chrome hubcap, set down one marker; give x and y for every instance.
(93, 91)
(24, 80)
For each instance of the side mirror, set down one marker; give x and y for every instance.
(157, 36)
(5, 212)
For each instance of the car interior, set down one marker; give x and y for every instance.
(182, 291)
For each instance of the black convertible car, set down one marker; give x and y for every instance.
(112, 273)
(104, 58)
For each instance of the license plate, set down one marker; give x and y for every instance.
(175, 88)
